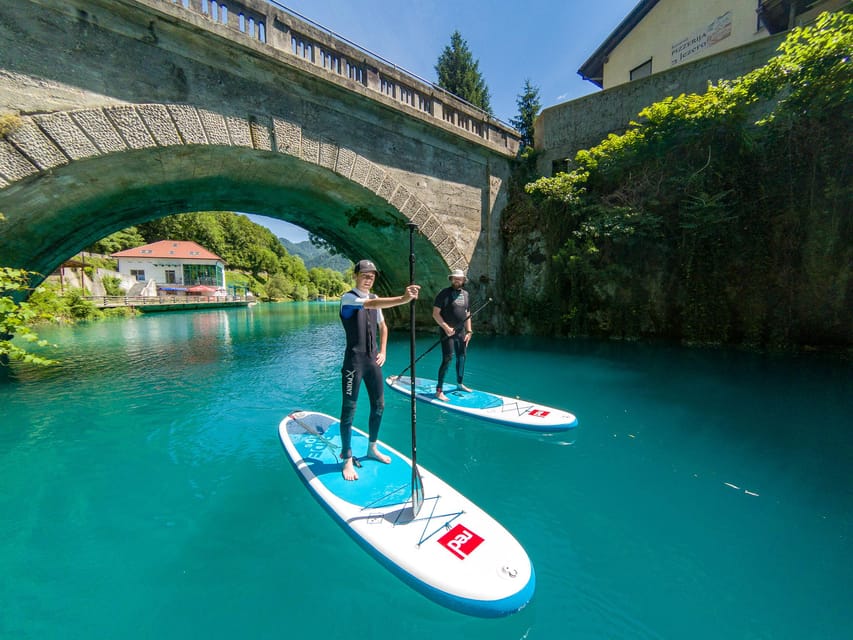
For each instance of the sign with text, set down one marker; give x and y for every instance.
(718, 30)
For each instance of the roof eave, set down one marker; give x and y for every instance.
(593, 68)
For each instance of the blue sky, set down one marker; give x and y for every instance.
(545, 41)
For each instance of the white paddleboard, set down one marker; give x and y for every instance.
(488, 406)
(452, 551)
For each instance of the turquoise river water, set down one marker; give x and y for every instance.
(144, 493)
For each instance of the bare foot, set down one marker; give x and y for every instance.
(373, 452)
(348, 470)
(440, 396)
(462, 387)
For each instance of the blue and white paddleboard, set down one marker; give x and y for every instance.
(452, 551)
(488, 406)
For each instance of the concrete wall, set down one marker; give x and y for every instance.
(562, 130)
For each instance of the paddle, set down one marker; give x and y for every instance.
(445, 337)
(331, 445)
(417, 482)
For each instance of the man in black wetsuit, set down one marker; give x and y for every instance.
(451, 311)
(361, 316)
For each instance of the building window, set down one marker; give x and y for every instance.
(139, 274)
(170, 277)
(202, 274)
(778, 15)
(642, 71)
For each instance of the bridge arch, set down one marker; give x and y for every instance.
(69, 178)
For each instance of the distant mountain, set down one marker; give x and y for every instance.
(314, 256)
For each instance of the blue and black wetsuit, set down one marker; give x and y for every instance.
(361, 326)
(454, 306)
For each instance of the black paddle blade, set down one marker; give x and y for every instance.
(417, 491)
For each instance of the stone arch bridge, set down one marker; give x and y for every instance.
(120, 111)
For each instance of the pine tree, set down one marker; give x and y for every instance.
(459, 74)
(528, 109)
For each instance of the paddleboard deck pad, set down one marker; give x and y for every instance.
(488, 406)
(452, 551)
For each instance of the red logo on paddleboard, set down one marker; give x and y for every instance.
(460, 541)
(538, 413)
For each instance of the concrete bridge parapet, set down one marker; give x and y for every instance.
(214, 121)
(339, 60)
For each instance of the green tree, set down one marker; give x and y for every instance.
(118, 241)
(528, 108)
(15, 318)
(327, 282)
(262, 260)
(294, 269)
(280, 287)
(459, 74)
(112, 286)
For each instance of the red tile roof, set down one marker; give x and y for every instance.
(168, 249)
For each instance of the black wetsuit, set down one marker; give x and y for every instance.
(454, 306)
(361, 326)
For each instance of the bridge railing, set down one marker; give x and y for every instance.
(274, 25)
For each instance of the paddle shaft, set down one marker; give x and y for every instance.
(417, 483)
(412, 228)
(443, 338)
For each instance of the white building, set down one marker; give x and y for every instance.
(175, 266)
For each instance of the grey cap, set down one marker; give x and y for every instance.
(365, 266)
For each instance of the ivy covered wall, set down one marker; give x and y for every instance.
(722, 217)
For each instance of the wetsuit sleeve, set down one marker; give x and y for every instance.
(350, 304)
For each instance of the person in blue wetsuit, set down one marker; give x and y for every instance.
(361, 316)
(452, 312)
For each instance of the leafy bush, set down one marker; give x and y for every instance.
(16, 318)
(112, 285)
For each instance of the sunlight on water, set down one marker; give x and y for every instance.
(705, 494)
